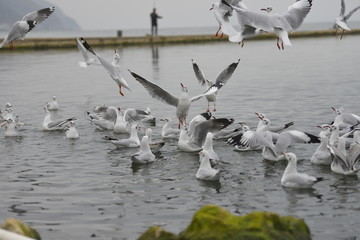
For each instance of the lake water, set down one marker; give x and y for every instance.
(86, 188)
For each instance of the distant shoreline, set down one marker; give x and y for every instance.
(107, 42)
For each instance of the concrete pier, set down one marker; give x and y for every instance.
(118, 42)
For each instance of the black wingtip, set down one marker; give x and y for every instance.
(109, 138)
(318, 179)
(206, 115)
(86, 45)
(313, 138)
(227, 4)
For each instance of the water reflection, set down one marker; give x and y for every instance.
(296, 197)
(155, 61)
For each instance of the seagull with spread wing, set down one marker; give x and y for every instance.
(222, 78)
(112, 68)
(182, 103)
(20, 28)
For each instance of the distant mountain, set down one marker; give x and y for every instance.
(13, 10)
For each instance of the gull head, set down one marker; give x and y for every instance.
(215, 6)
(268, 9)
(260, 115)
(338, 110)
(290, 156)
(183, 88)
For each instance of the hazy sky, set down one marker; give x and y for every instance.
(127, 14)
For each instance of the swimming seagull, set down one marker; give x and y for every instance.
(167, 132)
(221, 80)
(208, 146)
(112, 68)
(87, 59)
(20, 28)
(345, 119)
(53, 105)
(10, 128)
(182, 103)
(154, 146)
(293, 179)
(50, 125)
(322, 155)
(72, 132)
(279, 24)
(205, 171)
(145, 155)
(341, 20)
(132, 141)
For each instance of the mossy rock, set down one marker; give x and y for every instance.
(158, 233)
(215, 223)
(16, 226)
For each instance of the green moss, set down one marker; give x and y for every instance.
(214, 223)
(157, 233)
(16, 226)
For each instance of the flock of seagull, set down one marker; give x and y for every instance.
(339, 140)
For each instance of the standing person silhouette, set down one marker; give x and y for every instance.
(154, 18)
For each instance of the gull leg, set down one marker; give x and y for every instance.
(282, 45)
(342, 34)
(214, 110)
(217, 32)
(208, 108)
(120, 91)
(277, 44)
(222, 35)
(179, 123)
(11, 45)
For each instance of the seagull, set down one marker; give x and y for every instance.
(341, 20)
(322, 155)
(263, 138)
(205, 171)
(222, 13)
(20, 28)
(87, 59)
(293, 179)
(221, 80)
(145, 155)
(181, 103)
(192, 140)
(112, 68)
(131, 142)
(50, 125)
(280, 24)
(10, 128)
(72, 132)
(344, 161)
(167, 132)
(345, 119)
(53, 105)
(208, 147)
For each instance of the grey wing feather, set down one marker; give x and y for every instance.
(39, 16)
(339, 157)
(59, 123)
(198, 73)
(82, 50)
(156, 91)
(290, 137)
(132, 115)
(354, 154)
(342, 8)
(351, 13)
(200, 130)
(226, 74)
(297, 13)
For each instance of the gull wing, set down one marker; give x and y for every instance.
(354, 154)
(198, 136)
(297, 12)
(339, 158)
(342, 8)
(226, 74)
(288, 138)
(351, 13)
(39, 16)
(198, 73)
(156, 91)
(82, 50)
(262, 21)
(131, 115)
(60, 123)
